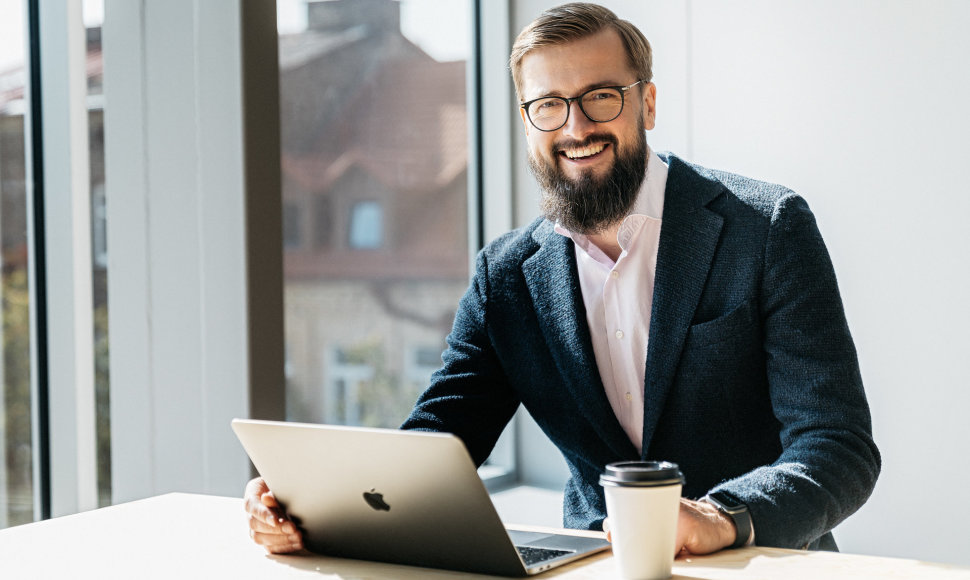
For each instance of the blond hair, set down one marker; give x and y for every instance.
(574, 21)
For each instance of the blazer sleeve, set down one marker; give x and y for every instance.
(829, 463)
(469, 395)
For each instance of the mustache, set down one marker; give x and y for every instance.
(590, 140)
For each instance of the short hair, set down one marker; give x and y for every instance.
(575, 21)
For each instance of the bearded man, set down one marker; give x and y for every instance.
(657, 310)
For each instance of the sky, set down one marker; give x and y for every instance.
(420, 22)
(14, 22)
(11, 34)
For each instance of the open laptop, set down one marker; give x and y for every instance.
(396, 496)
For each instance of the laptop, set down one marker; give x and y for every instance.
(405, 497)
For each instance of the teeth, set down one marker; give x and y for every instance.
(585, 151)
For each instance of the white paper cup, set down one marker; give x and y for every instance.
(642, 502)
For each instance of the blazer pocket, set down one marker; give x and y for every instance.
(739, 321)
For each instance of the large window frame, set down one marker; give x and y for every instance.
(137, 56)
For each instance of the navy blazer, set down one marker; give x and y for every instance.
(752, 380)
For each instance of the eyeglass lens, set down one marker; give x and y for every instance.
(599, 105)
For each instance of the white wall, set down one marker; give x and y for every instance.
(862, 107)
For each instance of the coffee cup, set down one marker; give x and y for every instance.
(642, 503)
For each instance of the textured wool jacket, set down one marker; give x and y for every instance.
(752, 380)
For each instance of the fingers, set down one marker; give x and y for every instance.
(269, 500)
(606, 528)
(286, 527)
(268, 524)
(259, 502)
(282, 538)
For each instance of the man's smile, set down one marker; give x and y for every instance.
(584, 153)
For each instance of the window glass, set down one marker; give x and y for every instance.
(374, 129)
(367, 225)
(93, 11)
(16, 446)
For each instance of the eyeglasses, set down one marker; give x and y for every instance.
(600, 105)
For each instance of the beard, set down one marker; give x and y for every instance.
(590, 204)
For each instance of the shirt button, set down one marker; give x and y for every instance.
(619, 334)
(629, 397)
(614, 274)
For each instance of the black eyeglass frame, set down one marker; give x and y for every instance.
(579, 101)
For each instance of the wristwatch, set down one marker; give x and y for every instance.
(734, 509)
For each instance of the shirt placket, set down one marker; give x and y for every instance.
(618, 338)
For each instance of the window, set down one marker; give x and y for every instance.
(16, 443)
(374, 124)
(292, 232)
(93, 19)
(421, 362)
(367, 225)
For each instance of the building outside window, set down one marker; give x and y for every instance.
(374, 127)
(16, 441)
(17, 412)
(93, 19)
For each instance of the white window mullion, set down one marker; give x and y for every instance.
(192, 162)
(68, 257)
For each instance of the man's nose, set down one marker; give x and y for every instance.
(577, 124)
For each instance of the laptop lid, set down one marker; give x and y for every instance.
(395, 496)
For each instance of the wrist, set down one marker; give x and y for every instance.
(721, 527)
(728, 531)
(735, 515)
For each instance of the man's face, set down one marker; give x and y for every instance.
(590, 172)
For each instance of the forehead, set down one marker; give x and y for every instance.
(566, 69)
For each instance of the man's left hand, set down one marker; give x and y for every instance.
(701, 529)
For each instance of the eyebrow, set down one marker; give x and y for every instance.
(583, 89)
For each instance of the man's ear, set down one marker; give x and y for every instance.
(649, 106)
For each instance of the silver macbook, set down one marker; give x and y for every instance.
(396, 496)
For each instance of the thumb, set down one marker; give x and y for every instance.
(269, 500)
(606, 528)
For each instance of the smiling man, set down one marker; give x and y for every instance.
(657, 310)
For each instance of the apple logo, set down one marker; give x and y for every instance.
(376, 500)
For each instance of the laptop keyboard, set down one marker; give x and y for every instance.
(532, 556)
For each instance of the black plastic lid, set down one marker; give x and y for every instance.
(642, 474)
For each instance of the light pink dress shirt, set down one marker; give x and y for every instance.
(618, 297)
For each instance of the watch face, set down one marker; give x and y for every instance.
(726, 501)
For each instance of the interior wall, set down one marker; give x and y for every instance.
(860, 107)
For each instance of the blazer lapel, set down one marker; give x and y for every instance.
(688, 238)
(553, 282)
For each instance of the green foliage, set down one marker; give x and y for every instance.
(102, 401)
(385, 399)
(16, 434)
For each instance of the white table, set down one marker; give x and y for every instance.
(197, 536)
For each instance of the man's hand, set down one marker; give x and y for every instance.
(701, 529)
(268, 524)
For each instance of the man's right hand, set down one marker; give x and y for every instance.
(268, 524)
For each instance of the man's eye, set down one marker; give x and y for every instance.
(546, 108)
(604, 95)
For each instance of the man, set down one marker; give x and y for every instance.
(657, 310)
